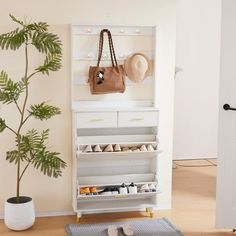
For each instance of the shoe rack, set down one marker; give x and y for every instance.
(128, 120)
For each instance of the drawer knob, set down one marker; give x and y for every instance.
(137, 119)
(96, 120)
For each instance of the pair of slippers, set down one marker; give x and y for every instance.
(113, 230)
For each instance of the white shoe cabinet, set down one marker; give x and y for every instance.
(114, 168)
(129, 119)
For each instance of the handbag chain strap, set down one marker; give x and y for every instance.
(111, 47)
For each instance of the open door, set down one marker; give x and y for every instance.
(226, 171)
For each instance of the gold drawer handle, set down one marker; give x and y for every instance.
(96, 120)
(137, 119)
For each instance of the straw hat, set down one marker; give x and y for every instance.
(137, 67)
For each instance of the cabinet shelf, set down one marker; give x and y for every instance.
(115, 155)
(117, 196)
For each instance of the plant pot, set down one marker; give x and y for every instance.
(19, 215)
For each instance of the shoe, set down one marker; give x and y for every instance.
(123, 189)
(132, 188)
(114, 190)
(150, 148)
(97, 149)
(112, 230)
(93, 190)
(143, 148)
(135, 149)
(152, 188)
(127, 230)
(117, 148)
(88, 148)
(85, 191)
(126, 149)
(144, 188)
(106, 191)
(108, 148)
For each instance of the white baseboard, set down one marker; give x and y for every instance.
(48, 214)
(191, 158)
(70, 213)
(54, 213)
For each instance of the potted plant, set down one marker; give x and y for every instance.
(30, 148)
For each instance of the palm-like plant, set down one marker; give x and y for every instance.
(30, 148)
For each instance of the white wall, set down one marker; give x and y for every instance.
(55, 195)
(196, 88)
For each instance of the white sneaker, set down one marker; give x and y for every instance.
(133, 188)
(144, 188)
(152, 188)
(123, 189)
(112, 230)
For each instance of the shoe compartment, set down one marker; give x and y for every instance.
(116, 144)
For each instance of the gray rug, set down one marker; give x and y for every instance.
(160, 227)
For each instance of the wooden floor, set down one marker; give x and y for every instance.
(193, 207)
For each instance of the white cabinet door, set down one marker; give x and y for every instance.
(226, 173)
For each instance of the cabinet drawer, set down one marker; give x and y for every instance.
(96, 119)
(137, 119)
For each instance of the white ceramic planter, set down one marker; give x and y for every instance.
(19, 216)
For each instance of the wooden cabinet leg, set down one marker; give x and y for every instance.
(151, 212)
(79, 215)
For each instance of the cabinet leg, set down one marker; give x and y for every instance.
(78, 218)
(151, 212)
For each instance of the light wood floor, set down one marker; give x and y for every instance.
(193, 207)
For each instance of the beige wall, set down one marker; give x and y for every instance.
(55, 194)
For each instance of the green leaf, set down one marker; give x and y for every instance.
(30, 142)
(9, 90)
(12, 156)
(52, 62)
(46, 42)
(43, 111)
(49, 163)
(16, 20)
(2, 125)
(39, 27)
(13, 40)
(33, 145)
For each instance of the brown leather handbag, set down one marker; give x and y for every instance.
(104, 80)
